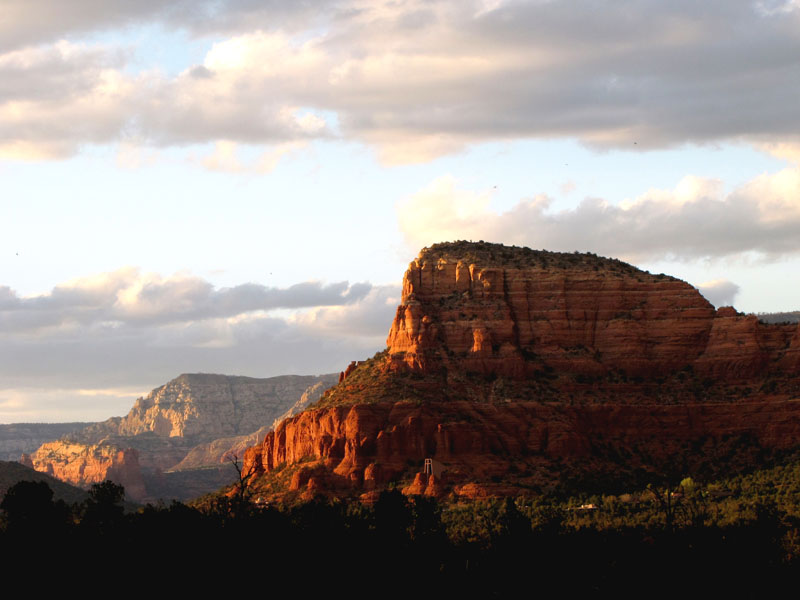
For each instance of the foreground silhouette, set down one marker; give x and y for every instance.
(402, 545)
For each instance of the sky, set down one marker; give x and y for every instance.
(237, 186)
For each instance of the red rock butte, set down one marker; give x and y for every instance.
(513, 369)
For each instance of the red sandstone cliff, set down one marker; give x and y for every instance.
(573, 312)
(185, 416)
(83, 465)
(364, 446)
(516, 360)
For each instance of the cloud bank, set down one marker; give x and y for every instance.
(720, 292)
(415, 79)
(696, 220)
(129, 297)
(91, 341)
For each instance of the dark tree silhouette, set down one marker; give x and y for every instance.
(30, 511)
(243, 491)
(103, 511)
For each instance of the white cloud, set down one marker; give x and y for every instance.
(370, 317)
(788, 151)
(413, 79)
(568, 187)
(36, 404)
(694, 220)
(225, 157)
(130, 298)
(720, 292)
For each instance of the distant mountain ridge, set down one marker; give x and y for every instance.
(202, 407)
(20, 438)
(163, 427)
(216, 451)
(780, 317)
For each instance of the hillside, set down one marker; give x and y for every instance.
(780, 317)
(515, 370)
(163, 427)
(19, 438)
(12, 473)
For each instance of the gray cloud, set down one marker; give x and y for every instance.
(418, 79)
(29, 22)
(132, 299)
(695, 220)
(371, 317)
(93, 341)
(719, 292)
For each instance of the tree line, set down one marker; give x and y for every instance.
(412, 545)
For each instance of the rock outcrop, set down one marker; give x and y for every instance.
(575, 313)
(164, 426)
(505, 361)
(20, 438)
(83, 465)
(365, 446)
(201, 406)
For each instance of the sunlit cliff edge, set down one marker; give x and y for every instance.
(514, 370)
(177, 427)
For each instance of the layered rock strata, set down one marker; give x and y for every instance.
(365, 446)
(20, 438)
(85, 464)
(164, 426)
(516, 311)
(514, 360)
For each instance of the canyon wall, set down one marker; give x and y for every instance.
(517, 360)
(516, 311)
(83, 465)
(167, 424)
(526, 445)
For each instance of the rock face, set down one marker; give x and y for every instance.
(310, 395)
(510, 365)
(572, 312)
(163, 427)
(219, 450)
(19, 438)
(365, 446)
(82, 465)
(202, 406)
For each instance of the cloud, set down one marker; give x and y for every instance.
(225, 158)
(788, 151)
(694, 220)
(371, 316)
(720, 292)
(568, 187)
(413, 79)
(55, 98)
(35, 404)
(91, 341)
(30, 22)
(130, 298)
(44, 373)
